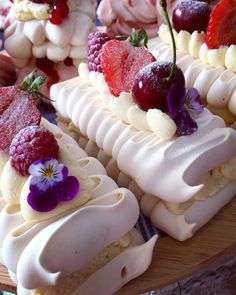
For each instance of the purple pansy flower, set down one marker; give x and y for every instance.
(183, 105)
(50, 184)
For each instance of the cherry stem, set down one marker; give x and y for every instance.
(167, 19)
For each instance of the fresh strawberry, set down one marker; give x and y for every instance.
(18, 109)
(21, 113)
(120, 62)
(221, 27)
(7, 95)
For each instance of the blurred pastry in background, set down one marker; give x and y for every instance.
(119, 17)
(7, 70)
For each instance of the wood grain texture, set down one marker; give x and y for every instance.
(173, 260)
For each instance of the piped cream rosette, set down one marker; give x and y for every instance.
(77, 246)
(211, 71)
(31, 34)
(181, 182)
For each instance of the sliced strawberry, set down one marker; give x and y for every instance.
(22, 112)
(222, 24)
(121, 62)
(7, 95)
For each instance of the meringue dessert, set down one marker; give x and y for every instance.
(181, 168)
(48, 36)
(66, 227)
(30, 240)
(119, 17)
(206, 55)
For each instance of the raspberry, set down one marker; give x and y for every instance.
(95, 42)
(30, 144)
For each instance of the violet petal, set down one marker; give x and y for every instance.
(185, 124)
(193, 102)
(39, 184)
(66, 190)
(35, 168)
(44, 202)
(175, 99)
(64, 172)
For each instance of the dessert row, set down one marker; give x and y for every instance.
(142, 108)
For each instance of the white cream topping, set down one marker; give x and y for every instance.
(136, 259)
(216, 85)
(25, 10)
(126, 110)
(141, 154)
(40, 38)
(181, 220)
(15, 187)
(45, 269)
(38, 254)
(194, 44)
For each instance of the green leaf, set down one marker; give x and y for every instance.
(139, 39)
(37, 83)
(142, 38)
(28, 80)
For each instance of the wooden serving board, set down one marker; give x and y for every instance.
(174, 261)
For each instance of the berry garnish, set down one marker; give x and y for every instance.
(48, 67)
(95, 42)
(190, 15)
(7, 95)
(121, 62)
(150, 87)
(59, 12)
(18, 108)
(30, 144)
(155, 86)
(221, 27)
(22, 112)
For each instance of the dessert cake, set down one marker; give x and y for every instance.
(181, 168)
(49, 35)
(66, 227)
(206, 54)
(120, 17)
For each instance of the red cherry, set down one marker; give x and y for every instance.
(191, 16)
(55, 17)
(150, 88)
(68, 61)
(62, 7)
(45, 65)
(59, 12)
